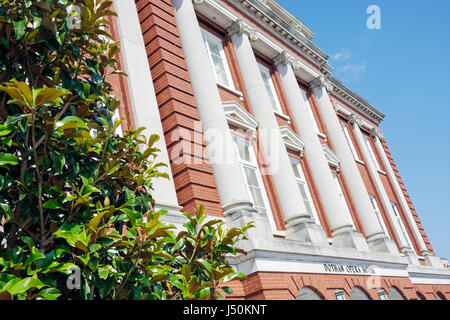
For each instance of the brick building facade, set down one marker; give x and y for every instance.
(256, 128)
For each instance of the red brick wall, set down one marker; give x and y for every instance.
(285, 286)
(410, 204)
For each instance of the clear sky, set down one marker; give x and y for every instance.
(403, 69)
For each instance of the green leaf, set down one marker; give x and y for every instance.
(227, 290)
(50, 293)
(19, 28)
(23, 285)
(7, 158)
(70, 122)
(52, 204)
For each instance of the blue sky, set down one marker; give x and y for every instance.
(403, 69)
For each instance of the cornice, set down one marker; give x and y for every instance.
(356, 101)
(261, 12)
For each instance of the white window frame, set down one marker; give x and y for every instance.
(310, 111)
(379, 215)
(253, 164)
(271, 90)
(342, 197)
(371, 153)
(208, 35)
(349, 140)
(382, 295)
(401, 224)
(340, 295)
(302, 180)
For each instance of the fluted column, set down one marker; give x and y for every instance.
(429, 258)
(341, 226)
(227, 172)
(385, 202)
(142, 94)
(376, 238)
(298, 221)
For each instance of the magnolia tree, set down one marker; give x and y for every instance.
(78, 217)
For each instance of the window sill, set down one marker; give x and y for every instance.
(231, 90)
(279, 233)
(381, 171)
(360, 162)
(322, 135)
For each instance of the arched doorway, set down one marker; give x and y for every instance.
(307, 293)
(395, 294)
(420, 296)
(358, 294)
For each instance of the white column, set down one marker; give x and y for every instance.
(356, 122)
(430, 259)
(376, 238)
(228, 175)
(298, 221)
(341, 226)
(142, 93)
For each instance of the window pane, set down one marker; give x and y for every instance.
(311, 114)
(349, 140)
(270, 89)
(217, 55)
(296, 172)
(244, 152)
(371, 153)
(251, 177)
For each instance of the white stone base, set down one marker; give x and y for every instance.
(350, 239)
(433, 261)
(307, 232)
(384, 245)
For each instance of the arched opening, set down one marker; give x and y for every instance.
(395, 294)
(357, 293)
(440, 296)
(420, 296)
(308, 293)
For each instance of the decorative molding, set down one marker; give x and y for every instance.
(356, 101)
(294, 32)
(321, 81)
(239, 27)
(239, 117)
(331, 157)
(353, 118)
(291, 140)
(377, 132)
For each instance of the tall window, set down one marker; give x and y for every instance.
(349, 140)
(218, 59)
(342, 197)
(378, 213)
(270, 88)
(371, 153)
(311, 114)
(401, 224)
(252, 176)
(304, 190)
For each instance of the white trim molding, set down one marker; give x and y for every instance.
(237, 116)
(332, 158)
(291, 140)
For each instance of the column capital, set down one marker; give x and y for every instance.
(377, 132)
(194, 2)
(240, 27)
(285, 58)
(321, 81)
(354, 118)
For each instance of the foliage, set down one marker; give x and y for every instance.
(74, 194)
